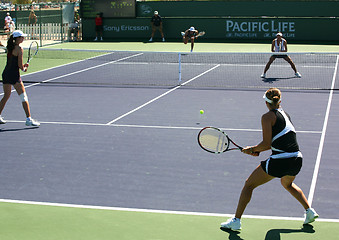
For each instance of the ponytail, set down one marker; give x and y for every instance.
(10, 44)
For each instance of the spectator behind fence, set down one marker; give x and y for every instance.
(12, 26)
(32, 20)
(74, 28)
(7, 26)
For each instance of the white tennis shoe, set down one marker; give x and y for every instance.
(310, 216)
(263, 75)
(232, 223)
(298, 75)
(2, 121)
(32, 122)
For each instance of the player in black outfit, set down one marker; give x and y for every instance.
(285, 161)
(11, 76)
(156, 23)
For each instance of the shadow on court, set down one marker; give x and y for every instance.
(272, 80)
(233, 235)
(17, 129)
(273, 234)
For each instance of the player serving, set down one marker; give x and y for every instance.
(279, 44)
(191, 34)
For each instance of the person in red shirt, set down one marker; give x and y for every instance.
(98, 27)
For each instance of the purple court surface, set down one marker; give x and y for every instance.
(135, 146)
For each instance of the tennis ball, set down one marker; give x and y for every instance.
(201, 111)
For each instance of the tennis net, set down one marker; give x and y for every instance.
(191, 70)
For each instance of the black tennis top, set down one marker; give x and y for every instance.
(11, 72)
(284, 139)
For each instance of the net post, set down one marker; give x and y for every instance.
(179, 61)
(61, 22)
(40, 23)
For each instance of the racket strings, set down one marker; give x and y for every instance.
(33, 49)
(213, 141)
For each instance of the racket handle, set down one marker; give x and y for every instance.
(255, 154)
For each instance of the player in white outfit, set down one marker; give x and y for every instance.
(279, 44)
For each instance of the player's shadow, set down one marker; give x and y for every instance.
(273, 80)
(275, 234)
(17, 129)
(233, 235)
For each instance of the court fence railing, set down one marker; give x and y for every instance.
(45, 31)
(47, 23)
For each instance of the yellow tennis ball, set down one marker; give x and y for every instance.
(201, 111)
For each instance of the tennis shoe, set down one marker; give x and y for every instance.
(232, 223)
(163, 39)
(150, 40)
(182, 34)
(310, 216)
(298, 75)
(2, 121)
(32, 122)
(263, 75)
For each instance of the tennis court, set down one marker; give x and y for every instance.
(116, 155)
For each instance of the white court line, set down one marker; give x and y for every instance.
(322, 138)
(160, 96)
(84, 70)
(66, 64)
(152, 126)
(157, 211)
(76, 72)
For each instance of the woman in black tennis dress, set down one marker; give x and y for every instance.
(11, 76)
(285, 161)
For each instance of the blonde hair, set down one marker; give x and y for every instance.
(274, 95)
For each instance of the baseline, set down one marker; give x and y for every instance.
(157, 211)
(154, 126)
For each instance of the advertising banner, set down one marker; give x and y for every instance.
(228, 29)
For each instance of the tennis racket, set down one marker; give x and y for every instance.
(214, 140)
(33, 50)
(200, 34)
